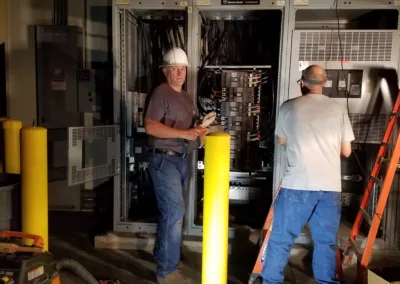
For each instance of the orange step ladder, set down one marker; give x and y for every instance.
(255, 277)
(385, 186)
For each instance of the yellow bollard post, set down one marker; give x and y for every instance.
(216, 209)
(12, 159)
(34, 182)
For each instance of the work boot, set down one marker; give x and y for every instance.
(180, 265)
(175, 277)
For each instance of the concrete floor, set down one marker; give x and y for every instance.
(138, 266)
(133, 266)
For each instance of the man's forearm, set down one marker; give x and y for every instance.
(159, 130)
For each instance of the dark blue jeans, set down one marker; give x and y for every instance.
(168, 174)
(292, 210)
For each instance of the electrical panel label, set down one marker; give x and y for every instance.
(342, 83)
(203, 2)
(303, 65)
(300, 2)
(35, 273)
(240, 2)
(58, 80)
(122, 2)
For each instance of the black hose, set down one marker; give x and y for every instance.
(76, 268)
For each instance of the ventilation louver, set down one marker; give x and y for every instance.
(356, 46)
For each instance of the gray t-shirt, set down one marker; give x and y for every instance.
(315, 127)
(173, 109)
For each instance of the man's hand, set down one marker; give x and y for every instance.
(282, 141)
(191, 134)
(203, 132)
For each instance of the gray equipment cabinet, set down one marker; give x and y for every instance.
(338, 35)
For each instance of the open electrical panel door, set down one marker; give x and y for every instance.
(143, 33)
(232, 73)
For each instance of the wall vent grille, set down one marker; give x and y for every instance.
(356, 45)
(82, 147)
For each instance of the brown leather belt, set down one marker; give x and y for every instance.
(168, 152)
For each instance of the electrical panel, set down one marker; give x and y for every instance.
(343, 83)
(236, 97)
(88, 100)
(65, 90)
(58, 53)
(240, 107)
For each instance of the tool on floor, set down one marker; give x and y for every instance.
(385, 186)
(32, 264)
(26, 264)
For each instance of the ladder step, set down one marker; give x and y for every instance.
(355, 249)
(376, 180)
(395, 114)
(366, 216)
(387, 145)
(383, 160)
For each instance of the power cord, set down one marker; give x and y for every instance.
(347, 91)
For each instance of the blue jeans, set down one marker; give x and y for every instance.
(168, 174)
(292, 210)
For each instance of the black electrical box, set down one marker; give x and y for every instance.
(343, 83)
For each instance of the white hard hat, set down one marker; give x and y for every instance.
(175, 57)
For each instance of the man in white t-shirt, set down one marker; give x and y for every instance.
(316, 131)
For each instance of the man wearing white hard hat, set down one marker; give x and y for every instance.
(169, 122)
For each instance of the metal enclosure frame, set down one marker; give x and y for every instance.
(121, 20)
(288, 8)
(215, 5)
(293, 7)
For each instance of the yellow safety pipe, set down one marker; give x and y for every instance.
(34, 188)
(12, 159)
(2, 119)
(216, 209)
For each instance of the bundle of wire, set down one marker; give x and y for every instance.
(158, 35)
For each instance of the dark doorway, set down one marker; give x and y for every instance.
(3, 95)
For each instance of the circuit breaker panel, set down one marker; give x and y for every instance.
(343, 83)
(236, 97)
(240, 108)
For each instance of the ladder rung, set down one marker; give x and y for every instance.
(387, 160)
(355, 249)
(366, 216)
(387, 145)
(395, 114)
(376, 180)
(383, 160)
